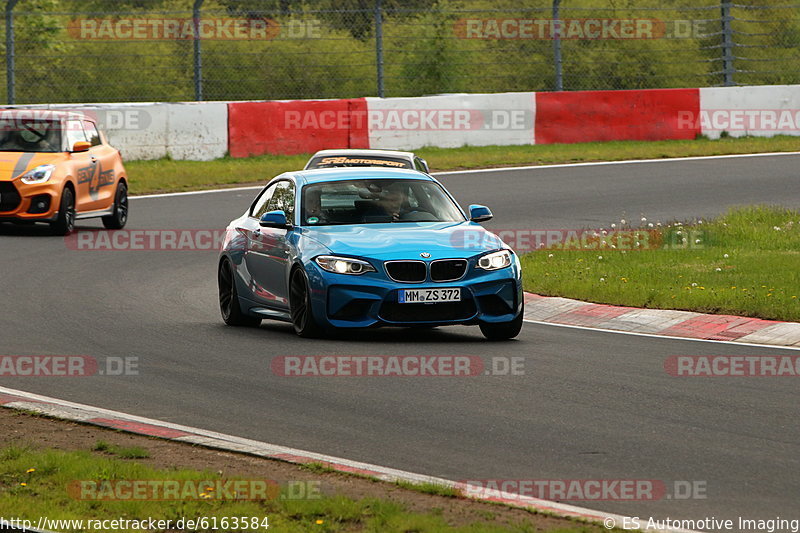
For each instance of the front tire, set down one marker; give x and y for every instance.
(119, 217)
(65, 221)
(502, 331)
(305, 325)
(229, 299)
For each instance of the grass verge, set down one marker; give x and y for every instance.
(166, 175)
(63, 485)
(75, 477)
(746, 262)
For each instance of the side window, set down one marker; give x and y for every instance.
(260, 205)
(283, 200)
(418, 165)
(93, 136)
(74, 133)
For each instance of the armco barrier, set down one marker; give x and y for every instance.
(197, 131)
(209, 130)
(295, 127)
(761, 111)
(450, 121)
(140, 131)
(586, 116)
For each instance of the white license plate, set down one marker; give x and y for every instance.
(427, 296)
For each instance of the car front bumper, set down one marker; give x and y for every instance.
(343, 301)
(36, 203)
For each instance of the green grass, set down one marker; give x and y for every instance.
(35, 482)
(166, 175)
(431, 488)
(747, 263)
(317, 468)
(132, 452)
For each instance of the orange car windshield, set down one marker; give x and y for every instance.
(30, 136)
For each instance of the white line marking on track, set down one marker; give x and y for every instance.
(625, 162)
(503, 169)
(194, 193)
(657, 336)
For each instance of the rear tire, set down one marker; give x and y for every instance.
(305, 325)
(65, 221)
(119, 217)
(229, 299)
(504, 330)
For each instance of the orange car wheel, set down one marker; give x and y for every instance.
(65, 222)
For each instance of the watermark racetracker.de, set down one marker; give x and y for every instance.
(187, 28)
(189, 489)
(524, 240)
(410, 119)
(126, 119)
(584, 489)
(711, 366)
(785, 121)
(407, 366)
(148, 240)
(67, 366)
(578, 28)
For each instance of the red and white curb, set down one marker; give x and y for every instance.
(76, 412)
(661, 322)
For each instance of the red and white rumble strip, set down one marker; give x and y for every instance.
(728, 328)
(14, 399)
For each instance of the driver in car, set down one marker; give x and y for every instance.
(314, 212)
(393, 200)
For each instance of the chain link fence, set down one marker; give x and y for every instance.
(184, 50)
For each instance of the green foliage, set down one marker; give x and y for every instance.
(327, 49)
(132, 452)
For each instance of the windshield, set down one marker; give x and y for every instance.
(358, 161)
(377, 201)
(30, 136)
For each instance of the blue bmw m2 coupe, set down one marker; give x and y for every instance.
(366, 247)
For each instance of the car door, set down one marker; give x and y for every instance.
(84, 166)
(103, 187)
(268, 249)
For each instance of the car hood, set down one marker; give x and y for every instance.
(12, 164)
(406, 240)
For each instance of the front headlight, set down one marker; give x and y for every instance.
(495, 260)
(343, 265)
(39, 174)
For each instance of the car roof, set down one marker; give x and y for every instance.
(363, 151)
(350, 173)
(42, 114)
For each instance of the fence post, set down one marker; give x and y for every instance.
(198, 52)
(727, 44)
(559, 85)
(379, 45)
(10, 53)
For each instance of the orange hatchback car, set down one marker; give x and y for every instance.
(57, 167)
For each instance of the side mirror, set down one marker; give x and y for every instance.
(274, 219)
(81, 146)
(479, 213)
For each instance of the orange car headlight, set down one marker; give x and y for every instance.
(39, 174)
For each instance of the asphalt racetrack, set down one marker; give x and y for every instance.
(590, 405)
